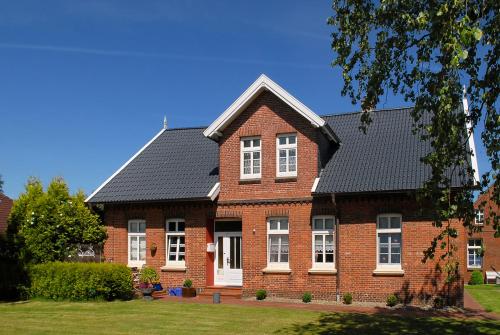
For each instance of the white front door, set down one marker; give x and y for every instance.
(228, 260)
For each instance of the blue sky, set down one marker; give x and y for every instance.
(84, 84)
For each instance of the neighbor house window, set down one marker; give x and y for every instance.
(176, 246)
(479, 220)
(136, 243)
(389, 241)
(475, 260)
(286, 147)
(323, 242)
(277, 245)
(250, 158)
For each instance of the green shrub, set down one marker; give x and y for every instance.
(347, 298)
(188, 283)
(261, 294)
(476, 278)
(149, 275)
(392, 300)
(307, 297)
(81, 281)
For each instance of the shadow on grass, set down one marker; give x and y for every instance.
(352, 323)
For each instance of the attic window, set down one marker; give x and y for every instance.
(250, 164)
(286, 155)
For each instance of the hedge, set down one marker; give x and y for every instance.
(80, 281)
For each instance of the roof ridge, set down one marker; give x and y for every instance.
(375, 110)
(185, 128)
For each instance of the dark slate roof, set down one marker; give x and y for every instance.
(386, 158)
(183, 164)
(179, 164)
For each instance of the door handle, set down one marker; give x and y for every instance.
(228, 261)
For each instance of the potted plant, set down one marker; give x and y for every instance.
(148, 277)
(188, 291)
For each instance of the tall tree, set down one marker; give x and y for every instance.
(1, 184)
(426, 51)
(48, 225)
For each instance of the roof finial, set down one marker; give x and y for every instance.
(165, 126)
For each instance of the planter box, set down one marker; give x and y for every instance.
(188, 292)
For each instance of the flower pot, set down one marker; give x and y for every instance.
(157, 287)
(147, 293)
(188, 292)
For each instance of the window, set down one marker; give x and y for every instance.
(250, 158)
(286, 146)
(277, 232)
(176, 246)
(323, 242)
(136, 243)
(479, 220)
(389, 241)
(474, 249)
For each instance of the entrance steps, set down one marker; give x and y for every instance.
(225, 291)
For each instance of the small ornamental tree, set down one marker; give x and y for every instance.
(48, 225)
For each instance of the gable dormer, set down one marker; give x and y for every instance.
(268, 144)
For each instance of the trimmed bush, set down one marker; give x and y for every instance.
(392, 300)
(476, 278)
(307, 297)
(261, 294)
(81, 281)
(347, 298)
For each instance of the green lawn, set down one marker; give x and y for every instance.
(160, 317)
(487, 295)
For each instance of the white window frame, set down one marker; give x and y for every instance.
(476, 255)
(177, 263)
(251, 150)
(135, 263)
(390, 266)
(286, 147)
(278, 265)
(323, 232)
(479, 213)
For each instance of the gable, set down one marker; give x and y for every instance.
(263, 83)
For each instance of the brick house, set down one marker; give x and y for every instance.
(5, 206)
(489, 263)
(272, 196)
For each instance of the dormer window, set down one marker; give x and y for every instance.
(250, 158)
(286, 155)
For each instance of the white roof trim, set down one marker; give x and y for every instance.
(124, 165)
(262, 83)
(315, 185)
(472, 145)
(214, 192)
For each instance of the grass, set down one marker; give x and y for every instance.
(487, 295)
(160, 317)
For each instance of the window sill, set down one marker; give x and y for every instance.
(389, 272)
(170, 268)
(136, 265)
(277, 270)
(472, 268)
(285, 179)
(314, 271)
(249, 181)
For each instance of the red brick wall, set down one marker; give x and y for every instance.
(5, 206)
(491, 259)
(267, 116)
(357, 261)
(358, 251)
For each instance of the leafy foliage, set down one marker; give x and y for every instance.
(307, 297)
(261, 294)
(81, 281)
(1, 184)
(425, 51)
(476, 278)
(149, 275)
(188, 283)
(47, 226)
(347, 298)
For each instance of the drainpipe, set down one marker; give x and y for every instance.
(337, 255)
